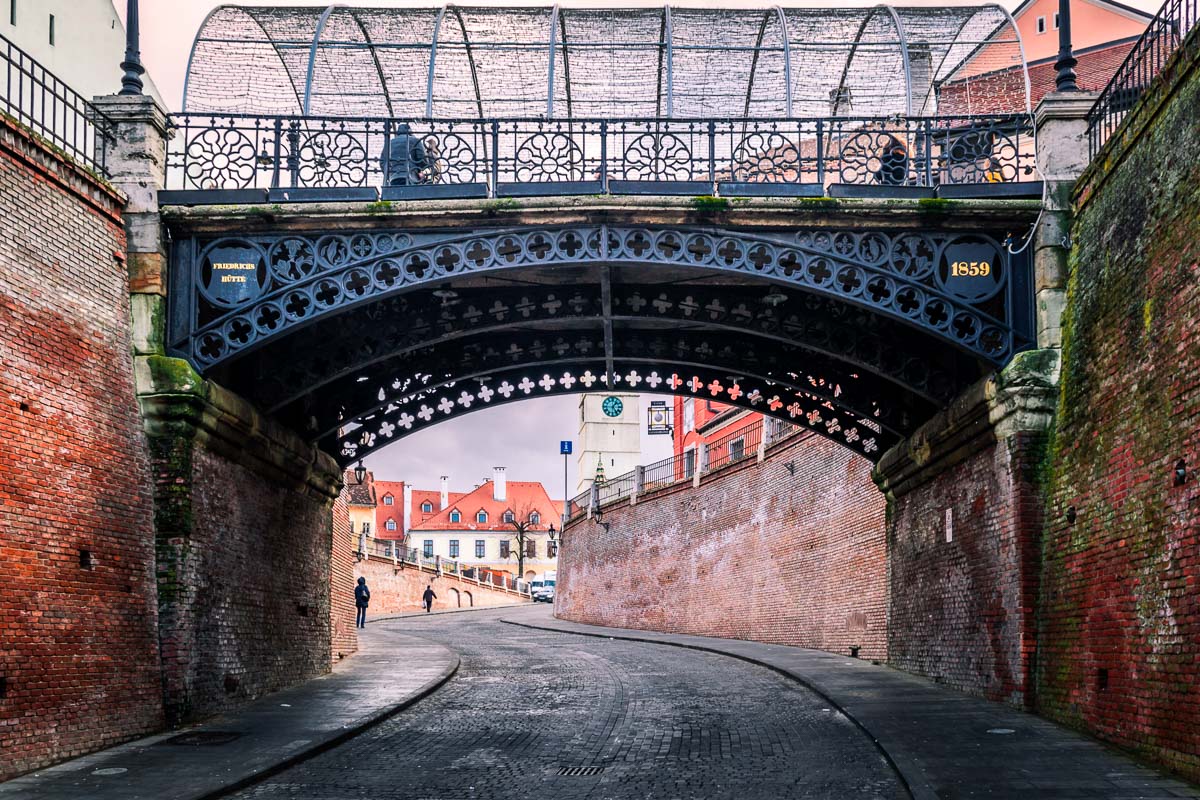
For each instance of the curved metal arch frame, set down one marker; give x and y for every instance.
(187, 77)
(864, 395)
(901, 39)
(359, 437)
(387, 95)
(786, 263)
(384, 338)
(312, 56)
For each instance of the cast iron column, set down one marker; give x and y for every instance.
(131, 81)
(1064, 81)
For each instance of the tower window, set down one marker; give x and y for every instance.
(52, 29)
(12, 12)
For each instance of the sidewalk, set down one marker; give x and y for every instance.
(390, 672)
(437, 611)
(945, 745)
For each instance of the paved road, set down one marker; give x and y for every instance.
(638, 720)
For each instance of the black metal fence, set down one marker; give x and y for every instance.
(295, 157)
(728, 450)
(37, 99)
(1162, 37)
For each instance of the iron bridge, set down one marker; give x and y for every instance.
(360, 337)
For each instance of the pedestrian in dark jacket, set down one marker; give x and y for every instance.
(428, 598)
(362, 599)
(405, 158)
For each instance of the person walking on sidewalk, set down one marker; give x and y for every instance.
(428, 598)
(362, 599)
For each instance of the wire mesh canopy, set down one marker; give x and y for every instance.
(500, 62)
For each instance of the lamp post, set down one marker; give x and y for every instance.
(131, 81)
(1064, 80)
(360, 473)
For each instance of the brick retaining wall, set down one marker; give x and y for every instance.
(79, 666)
(756, 552)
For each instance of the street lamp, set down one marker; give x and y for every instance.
(360, 473)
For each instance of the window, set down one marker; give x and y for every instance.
(737, 449)
(427, 507)
(427, 548)
(388, 500)
(390, 525)
(1041, 24)
(1055, 20)
(480, 548)
(531, 549)
(551, 549)
(12, 12)
(504, 551)
(689, 463)
(535, 518)
(454, 548)
(689, 414)
(508, 516)
(455, 516)
(481, 517)
(366, 527)
(52, 30)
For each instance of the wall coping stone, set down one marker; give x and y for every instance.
(172, 395)
(39, 154)
(1020, 398)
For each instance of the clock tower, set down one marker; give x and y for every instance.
(609, 435)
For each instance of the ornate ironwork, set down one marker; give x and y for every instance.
(532, 157)
(293, 280)
(428, 406)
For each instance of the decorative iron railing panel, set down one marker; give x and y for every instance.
(1158, 43)
(590, 156)
(36, 98)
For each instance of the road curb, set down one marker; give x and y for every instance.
(419, 614)
(909, 774)
(342, 737)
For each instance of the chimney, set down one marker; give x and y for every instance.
(499, 485)
(408, 508)
(445, 494)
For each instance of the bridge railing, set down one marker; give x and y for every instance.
(39, 100)
(297, 158)
(1162, 37)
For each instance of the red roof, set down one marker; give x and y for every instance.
(395, 511)
(522, 498)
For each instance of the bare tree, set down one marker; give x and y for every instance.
(522, 523)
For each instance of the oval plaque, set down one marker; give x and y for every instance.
(971, 268)
(232, 274)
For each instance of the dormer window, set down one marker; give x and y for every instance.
(535, 518)
(388, 500)
(390, 525)
(481, 517)
(427, 507)
(455, 516)
(508, 516)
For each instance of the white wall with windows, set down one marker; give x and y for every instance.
(493, 549)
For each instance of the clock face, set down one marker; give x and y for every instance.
(612, 406)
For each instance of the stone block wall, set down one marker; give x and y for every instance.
(79, 666)
(398, 589)
(343, 634)
(756, 552)
(1120, 637)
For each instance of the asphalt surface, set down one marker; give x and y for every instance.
(540, 714)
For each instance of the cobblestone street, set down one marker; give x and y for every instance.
(540, 714)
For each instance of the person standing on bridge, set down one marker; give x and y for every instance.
(428, 598)
(405, 158)
(362, 599)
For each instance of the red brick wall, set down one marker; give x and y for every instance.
(962, 610)
(245, 595)
(1120, 642)
(755, 553)
(78, 646)
(344, 639)
(399, 590)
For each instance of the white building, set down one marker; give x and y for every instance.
(81, 41)
(610, 435)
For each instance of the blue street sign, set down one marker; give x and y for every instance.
(564, 448)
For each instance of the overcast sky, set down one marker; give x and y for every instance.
(520, 436)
